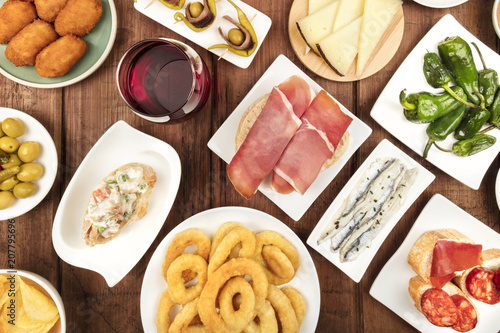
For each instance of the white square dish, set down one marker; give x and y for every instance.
(222, 143)
(391, 285)
(388, 112)
(121, 144)
(356, 269)
(206, 38)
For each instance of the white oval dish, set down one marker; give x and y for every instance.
(121, 144)
(33, 131)
(440, 3)
(32, 278)
(306, 280)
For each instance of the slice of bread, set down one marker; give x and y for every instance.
(421, 254)
(253, 112)
(90, 233)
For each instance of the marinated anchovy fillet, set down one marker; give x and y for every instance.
(361, 189)
(362, 238)
(370, 206)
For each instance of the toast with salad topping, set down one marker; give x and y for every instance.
(119, 199)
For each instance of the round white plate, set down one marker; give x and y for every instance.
(306, 279)
(440, 3)
(497, 189)
(34, 131)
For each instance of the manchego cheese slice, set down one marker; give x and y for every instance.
(315, 27)
(348, 11)
(340, 48)
(377, 16)
(315, 5)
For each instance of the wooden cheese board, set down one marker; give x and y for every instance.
(383, 53)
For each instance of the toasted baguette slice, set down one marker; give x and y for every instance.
(420, 256)
(250, 116)
(490, 259)
(140, 206)
(418, 287)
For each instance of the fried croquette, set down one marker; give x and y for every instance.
(78, 17)
(15, 15)
(49, 9)
(59, 57)
(23, 48)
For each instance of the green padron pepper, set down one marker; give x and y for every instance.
(472, 123)
(488, 81)
(473, 145)
(495, 110)
(248, 46)
(438, 77)
(457, 58)
(440, 128)
(425, 107)
(178, 5)
(201, 22)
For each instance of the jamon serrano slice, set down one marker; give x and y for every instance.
(323, 126)
(264, 144)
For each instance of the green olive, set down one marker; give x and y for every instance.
(28, 151)
(6, 199)
(195, 9)
(30, 172)
(24, 190)
(8, 144)
(236, 36)
(13, 161)
(13, 127)
(1, 132)
(9, 183)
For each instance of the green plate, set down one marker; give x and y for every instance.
(99, 43)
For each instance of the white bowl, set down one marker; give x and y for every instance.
(32, 278)
(494, 16)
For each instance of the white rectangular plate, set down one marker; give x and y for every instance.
(222, 143)
(389, 113)
(391, 285)
(206, 38)
(356, 268)
(121, 144)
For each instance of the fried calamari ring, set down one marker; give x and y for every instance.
(277, 262)
(163, 315)
(178, 292)
(180, 242)
(298, 302)
(237, 235)
(267, 321)
(220, 234)
(234, 267)
(284, 310)
(183, 319)
(237, 319)
(273, 238)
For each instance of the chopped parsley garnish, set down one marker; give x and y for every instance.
(128, 214)
(101, 229)
(124, 178)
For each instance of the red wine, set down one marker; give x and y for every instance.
(158, 79)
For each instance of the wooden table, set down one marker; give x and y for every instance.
(78, 115)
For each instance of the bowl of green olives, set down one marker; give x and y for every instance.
(28, 163)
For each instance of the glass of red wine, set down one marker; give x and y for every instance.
(163, 80)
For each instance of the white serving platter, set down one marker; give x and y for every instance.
(389, 113)
(391, 285)
(33, 131)
(305, 281)
(440, 3)
(356, 268)
(206, 38)
(121, 144)
(222, 143)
